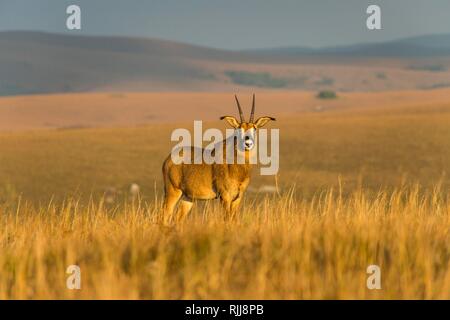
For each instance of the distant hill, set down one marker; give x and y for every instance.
(36, 62)
(420, 46)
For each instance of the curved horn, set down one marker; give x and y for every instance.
(252, 114)
(241, 115)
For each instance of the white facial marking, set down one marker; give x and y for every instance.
(249, 138)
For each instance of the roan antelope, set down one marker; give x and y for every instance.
(224, 181)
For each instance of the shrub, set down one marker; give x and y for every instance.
(327, 94)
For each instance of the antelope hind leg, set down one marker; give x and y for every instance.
(185, 207)
(170, 201)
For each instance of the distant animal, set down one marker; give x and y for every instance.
(224, 181)
(135, 189)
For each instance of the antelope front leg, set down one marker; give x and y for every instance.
(235, 206)
(237, 201)
(226, 201)
(231, 205)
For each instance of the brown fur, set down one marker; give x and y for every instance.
(190, 182)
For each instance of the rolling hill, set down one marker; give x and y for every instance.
(36, 62)
(437, 45)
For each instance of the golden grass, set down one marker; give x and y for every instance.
(276, 248)
(128, 109)
(311, 243)
(374, 148)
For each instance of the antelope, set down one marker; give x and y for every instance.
(224, 181)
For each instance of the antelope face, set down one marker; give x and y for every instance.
(246, 135)
(246, 131)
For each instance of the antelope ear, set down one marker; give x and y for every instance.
(232, 121)
(261, 122)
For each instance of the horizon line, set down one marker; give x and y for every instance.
(182, 42)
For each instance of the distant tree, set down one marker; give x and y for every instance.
(326, 94)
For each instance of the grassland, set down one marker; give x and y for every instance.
(361, 140)
(276, 248)
(357, 186)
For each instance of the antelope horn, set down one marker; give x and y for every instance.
(241, 115)
(252, 114)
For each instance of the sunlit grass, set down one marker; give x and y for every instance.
(277, 247)
(63, 201)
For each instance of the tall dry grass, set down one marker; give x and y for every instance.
(277, 247)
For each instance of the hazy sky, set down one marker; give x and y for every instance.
(235, 24)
